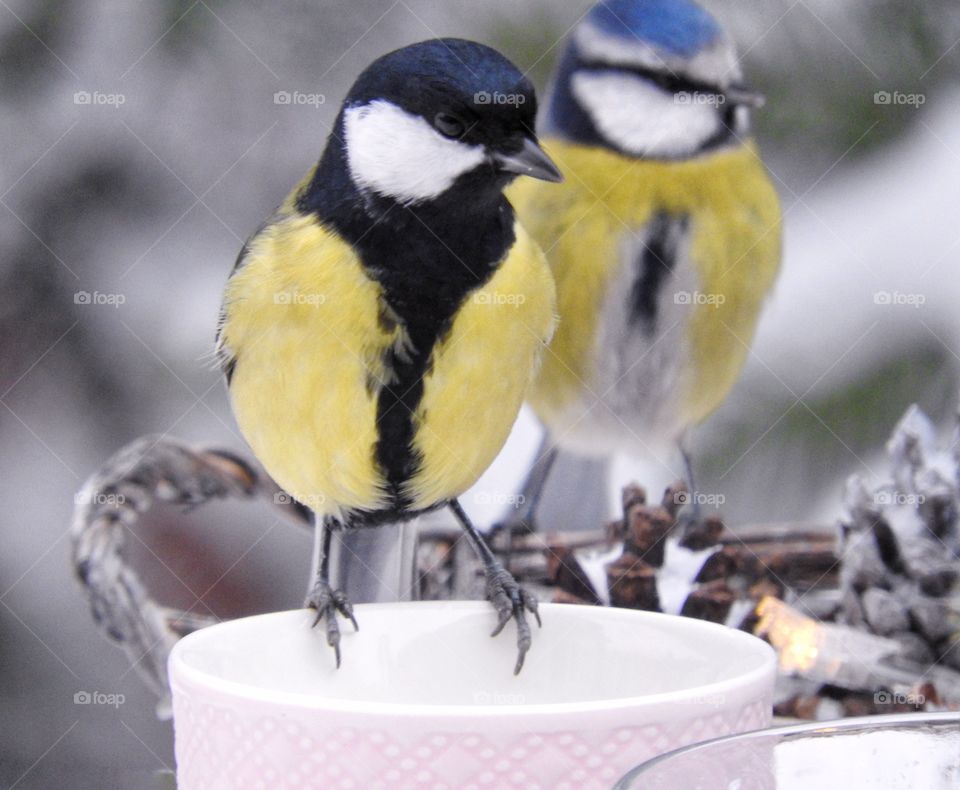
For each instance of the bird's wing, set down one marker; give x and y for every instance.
(225, 359)
(308, 347)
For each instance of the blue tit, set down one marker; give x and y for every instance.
(665, 239)
(380, 332)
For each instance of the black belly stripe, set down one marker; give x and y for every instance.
(654, 267)
(427, 258)
(397, 404)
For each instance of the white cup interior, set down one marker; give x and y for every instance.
(441, 654)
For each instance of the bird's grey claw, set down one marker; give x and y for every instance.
(530, 602)
(512, 602)
(328, 603)
(346, 609)
(504, 612)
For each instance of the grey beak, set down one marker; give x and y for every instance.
(529, 161)
(748, 98)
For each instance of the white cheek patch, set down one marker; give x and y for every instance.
(640, 118)
(399, 155)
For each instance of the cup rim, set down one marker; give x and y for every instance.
(826, 727)
(182, 673)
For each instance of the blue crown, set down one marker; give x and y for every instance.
(678, 27)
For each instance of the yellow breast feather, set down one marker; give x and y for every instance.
(301, 320)
(481, 372)
(736, 236)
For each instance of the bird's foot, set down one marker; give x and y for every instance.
(512, 602)
(328, 603)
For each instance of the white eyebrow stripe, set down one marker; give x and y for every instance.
(716, 62)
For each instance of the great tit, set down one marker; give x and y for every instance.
(665, 239)
(379, 333)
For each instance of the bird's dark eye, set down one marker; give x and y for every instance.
(448, 125)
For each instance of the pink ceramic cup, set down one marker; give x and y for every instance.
(425, 698)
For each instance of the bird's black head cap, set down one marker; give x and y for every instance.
(454, 84)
